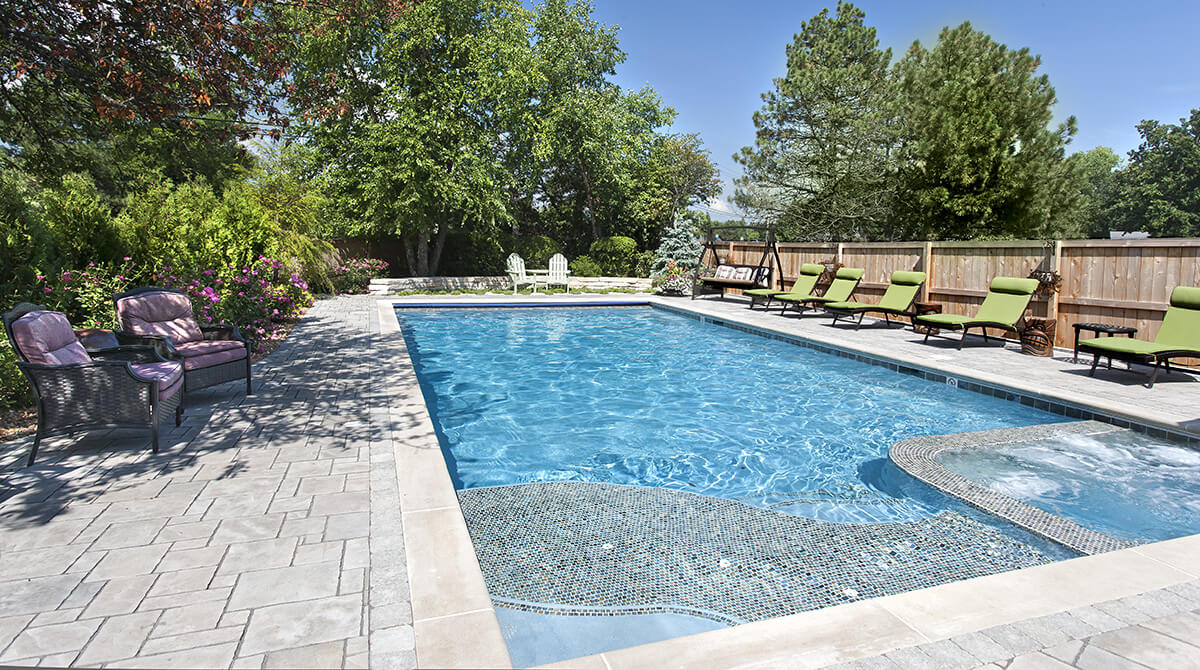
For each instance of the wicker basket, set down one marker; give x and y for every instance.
(1037, 339)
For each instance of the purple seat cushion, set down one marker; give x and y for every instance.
(167, 373)
(159, 313)
(207, 353)
(46, 338)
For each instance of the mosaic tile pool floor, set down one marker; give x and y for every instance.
(596, 548)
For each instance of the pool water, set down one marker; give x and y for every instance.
(643, 396)
(1126, 484)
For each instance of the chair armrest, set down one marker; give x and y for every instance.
(222, 331)
(160, 343)
(130, 353)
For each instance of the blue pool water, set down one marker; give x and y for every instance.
(1128, 485)
(646, 397)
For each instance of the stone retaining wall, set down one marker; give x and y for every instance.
(395, 286)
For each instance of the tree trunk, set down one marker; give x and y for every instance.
(409, 257)
(438, 245)
(422, 255)
(590, 201)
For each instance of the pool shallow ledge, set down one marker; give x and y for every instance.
(455, 625)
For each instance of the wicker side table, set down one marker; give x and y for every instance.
(921, 309)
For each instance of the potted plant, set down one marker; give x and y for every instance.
(1037, 338)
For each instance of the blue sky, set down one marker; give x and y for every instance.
(1112, 64)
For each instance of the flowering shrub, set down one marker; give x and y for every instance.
(355, 274)
(85, 296)
(674, 280)
(257, 298)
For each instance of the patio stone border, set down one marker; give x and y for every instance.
(918, 457)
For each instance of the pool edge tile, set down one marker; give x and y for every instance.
(466, 640)
(1181, 553)
(971, 605)
(806, 640)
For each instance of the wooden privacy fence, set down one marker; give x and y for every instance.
(1123, 282)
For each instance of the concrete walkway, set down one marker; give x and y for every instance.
(266, 534)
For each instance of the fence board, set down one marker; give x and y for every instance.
(1124, 282)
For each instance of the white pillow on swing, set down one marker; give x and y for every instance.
(724, 271)
(742, 274)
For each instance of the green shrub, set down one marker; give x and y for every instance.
(584, 266)
(14, 389)
(537, 250)
(617, 256)
(163, 224)
(679, 247)
(24, 241)
(354, 275)
(80, 224)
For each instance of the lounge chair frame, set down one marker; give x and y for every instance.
(1159, 362)
(982, 325)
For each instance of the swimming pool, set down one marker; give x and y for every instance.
(645, 397)
(535, 406)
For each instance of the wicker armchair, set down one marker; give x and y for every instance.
(76, 390)
(163, 317)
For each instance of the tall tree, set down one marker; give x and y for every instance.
(67, 66)
(819, 166)
(417, 154)
(676, 173)
(979, 157)
(1159, 191)
(1092, 216)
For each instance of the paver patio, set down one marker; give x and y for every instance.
(268, 532)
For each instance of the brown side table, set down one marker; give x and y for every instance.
(1098, 328)
(921, 309)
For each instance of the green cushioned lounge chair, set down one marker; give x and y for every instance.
(805, 283)
(1003, 308)
(897, 300)
(840, 290)
(1178, 336)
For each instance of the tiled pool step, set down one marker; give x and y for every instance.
(578, 547)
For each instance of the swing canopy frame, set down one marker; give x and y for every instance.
(737, 276)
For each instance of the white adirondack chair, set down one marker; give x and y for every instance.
(558, 275)
(516, 272)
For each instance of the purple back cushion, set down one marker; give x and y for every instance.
(46, 338)
(159, 313)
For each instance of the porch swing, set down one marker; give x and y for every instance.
(734, 276)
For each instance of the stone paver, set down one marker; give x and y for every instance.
(247, 542)
(1170, 642)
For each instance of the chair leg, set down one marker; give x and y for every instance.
(927, 333)
(249, 390)
(860, 318)
(179, 412)
(1095, 362)
(37, 440)
(964, 338)
(1153, 375)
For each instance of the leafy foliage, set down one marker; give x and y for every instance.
(537, 250)
(586, 266)
(616, 256)
(820, 165)
(354, 275)
(1159, 191)
(73, 67)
